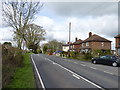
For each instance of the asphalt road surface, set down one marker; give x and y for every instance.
(57, 72)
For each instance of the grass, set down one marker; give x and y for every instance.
(24, 77)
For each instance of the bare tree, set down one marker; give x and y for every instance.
(19, 14)
(33, 35)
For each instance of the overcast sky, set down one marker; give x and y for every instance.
(97, 17)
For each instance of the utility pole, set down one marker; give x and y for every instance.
(69, 38)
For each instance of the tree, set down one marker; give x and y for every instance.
(19, 14)
(45, 49)
(54, 45)
(33, 35)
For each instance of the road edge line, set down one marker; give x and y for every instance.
(40, 79)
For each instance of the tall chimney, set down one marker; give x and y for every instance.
(90, 34)
(76, 39)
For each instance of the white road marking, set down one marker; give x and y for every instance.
(54, 63)
(77, 75)
(75, 62)
(108, 72)
(40, 79)
(83, 65)
(66, 60)
(93, 68)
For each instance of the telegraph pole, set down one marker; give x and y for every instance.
(69, 38)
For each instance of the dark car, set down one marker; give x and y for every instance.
(108, 59)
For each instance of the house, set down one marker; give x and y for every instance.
(95, 42)
(117, 44)
(77, 44)
(73, 46)
(65, 47)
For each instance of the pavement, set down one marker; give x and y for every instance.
(56, 72)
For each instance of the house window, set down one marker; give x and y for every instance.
(87, 43)
(82, 44)
(102, 44)
(73, 46)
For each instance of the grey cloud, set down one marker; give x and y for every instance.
(84, 8)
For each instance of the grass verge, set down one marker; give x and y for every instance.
(78, 58)
(24, 77)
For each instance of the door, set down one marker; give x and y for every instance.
(104, 59)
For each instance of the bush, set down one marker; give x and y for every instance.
(74, 54)
(101, 52)
(12, 58)
(88, 56)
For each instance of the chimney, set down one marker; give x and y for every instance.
(90, 34)
(76, 39)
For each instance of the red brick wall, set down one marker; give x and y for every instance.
(77, 46)
(98, 45)
(117, 42)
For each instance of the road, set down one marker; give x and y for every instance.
(57, 72)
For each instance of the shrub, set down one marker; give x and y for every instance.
(102, 52)
(74, 54)
(88, 56)
(12, 58)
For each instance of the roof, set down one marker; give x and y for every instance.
(77, 42)
(96, 38)
(118, 36)
(66, 44)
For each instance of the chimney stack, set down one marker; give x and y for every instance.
(76, 39)
(90, 34)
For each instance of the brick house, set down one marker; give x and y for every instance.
(117, 44)
(95, 42)
(77, 44)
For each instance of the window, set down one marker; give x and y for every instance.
(73, 46)
(102, 44)
(103, 57)
(87, 43)
(82, 44)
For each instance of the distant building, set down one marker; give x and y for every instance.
(77, 44)
(95, 42)
(65, 47)
(117, 44)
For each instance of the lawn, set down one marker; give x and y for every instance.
(24, 77)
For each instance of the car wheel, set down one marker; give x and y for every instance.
(94, 62)
(114, 64)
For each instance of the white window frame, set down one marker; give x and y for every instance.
(87, 43)
(82, 44)
(102, 44)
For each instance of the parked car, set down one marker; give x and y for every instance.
(108, 59)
